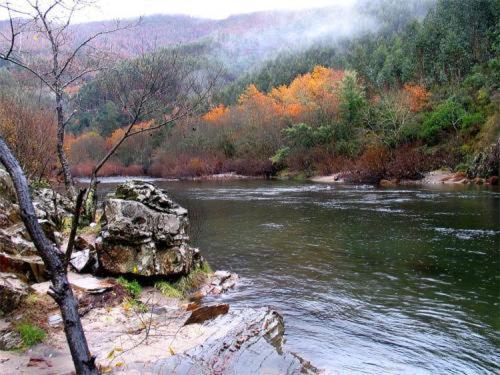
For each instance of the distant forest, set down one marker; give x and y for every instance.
(385, 89)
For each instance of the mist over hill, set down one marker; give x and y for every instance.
(242, 41)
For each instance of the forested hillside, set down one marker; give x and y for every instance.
(386, 89)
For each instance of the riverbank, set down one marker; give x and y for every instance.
(438, 177)
(151, 317)
(149, 333)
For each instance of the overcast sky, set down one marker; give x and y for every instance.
(112, 9)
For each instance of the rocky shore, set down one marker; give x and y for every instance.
(140, 288)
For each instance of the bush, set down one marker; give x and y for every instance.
(407, 162)
(371, 165)
(133, 287)
(471, 120)
(446, 115)
(30, 334)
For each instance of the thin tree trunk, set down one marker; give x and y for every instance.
(54, 260)
(61, 154)
(90, 202)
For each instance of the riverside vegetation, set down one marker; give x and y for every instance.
(417, 93)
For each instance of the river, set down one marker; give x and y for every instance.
(369, 280)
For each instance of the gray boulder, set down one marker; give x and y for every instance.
(144, 233)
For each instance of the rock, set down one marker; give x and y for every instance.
(17, 252)
(83, 261)
(29, 268)
(144, 233)
(493, 180)
(7, 190)
(486, 163)
(204, 313)
(12, 291)
(55, 320)
(388, 183)
(53, 206)
(217, 283)
(247, 341)
(80, 283)
(150, 196)
(10, 340)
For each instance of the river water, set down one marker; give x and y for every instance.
(369, 280)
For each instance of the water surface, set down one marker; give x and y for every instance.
(369, 280)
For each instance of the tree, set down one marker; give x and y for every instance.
(56, 263)
(56, 57)
(154, 91)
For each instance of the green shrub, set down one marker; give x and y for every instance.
(30, 334)
(470, 120)
(446, 115)
(133, 287)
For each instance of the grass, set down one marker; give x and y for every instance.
(133, 287)
(182, 287)
(168, 289)
(133, 304)
(30, 334)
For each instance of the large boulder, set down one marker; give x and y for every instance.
(144, 233)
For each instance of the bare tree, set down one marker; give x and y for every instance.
(56, 263)
(52, 53)
(154, 91)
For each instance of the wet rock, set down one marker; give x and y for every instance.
(247, 341)
(144, 233)
(10, 340)
(12, 292)
(204, 313)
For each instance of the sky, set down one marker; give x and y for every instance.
(216, 9)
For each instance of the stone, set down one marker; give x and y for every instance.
(10, 340)
(55, 320)
(83, 260)
(244, 342)
(144, 233)
(17, 252)
(217, 283)
(12, 292)
(7, 190)
(79, 283)
(29, 268)
(204, 313)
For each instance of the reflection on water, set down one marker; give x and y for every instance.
(369, 280)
